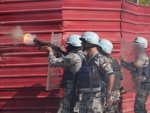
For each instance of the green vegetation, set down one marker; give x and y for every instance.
(142, 2)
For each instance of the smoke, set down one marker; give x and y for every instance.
(17, 35)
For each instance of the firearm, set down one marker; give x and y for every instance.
(55, 48)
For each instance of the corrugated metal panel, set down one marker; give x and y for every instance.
(23, 69)
(102, 17)
(135, 22)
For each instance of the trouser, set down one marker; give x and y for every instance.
(64, 106)
(141, 97)
(91, 103)
(77, 106)
(116, 99)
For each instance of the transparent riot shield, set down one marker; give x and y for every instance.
(132, 75)
(54, 73)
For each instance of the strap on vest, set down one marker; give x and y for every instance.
(146, 70)
(94, 58)
(81, 55)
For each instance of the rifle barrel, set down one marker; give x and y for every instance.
(39, 42)
(50, 45)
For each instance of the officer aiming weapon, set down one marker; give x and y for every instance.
(55, 48)
(30, 39)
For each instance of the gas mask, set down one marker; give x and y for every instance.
(71, 48)
(85, 48)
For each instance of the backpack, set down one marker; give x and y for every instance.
(118, 73)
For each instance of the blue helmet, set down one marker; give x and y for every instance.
(90, 37)
(106, 45)
(74, 40)
(141, 41)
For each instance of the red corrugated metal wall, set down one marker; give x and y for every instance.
(102, 17)
(135, 22)
(23, 69)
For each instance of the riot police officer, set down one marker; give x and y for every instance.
(105, 48)
(89, 75)
(71, 64)
(142, 61)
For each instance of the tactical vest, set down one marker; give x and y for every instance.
(118, 74)
(88, 76)
(146, 72)
(68, 75)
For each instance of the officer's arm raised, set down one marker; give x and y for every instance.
(63, 61)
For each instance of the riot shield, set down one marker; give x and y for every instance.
(54, 73)
(132, 75)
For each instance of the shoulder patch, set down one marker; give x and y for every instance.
(104, 65)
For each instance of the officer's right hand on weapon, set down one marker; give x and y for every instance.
(48, 49)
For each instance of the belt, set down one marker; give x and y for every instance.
(89, 89)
